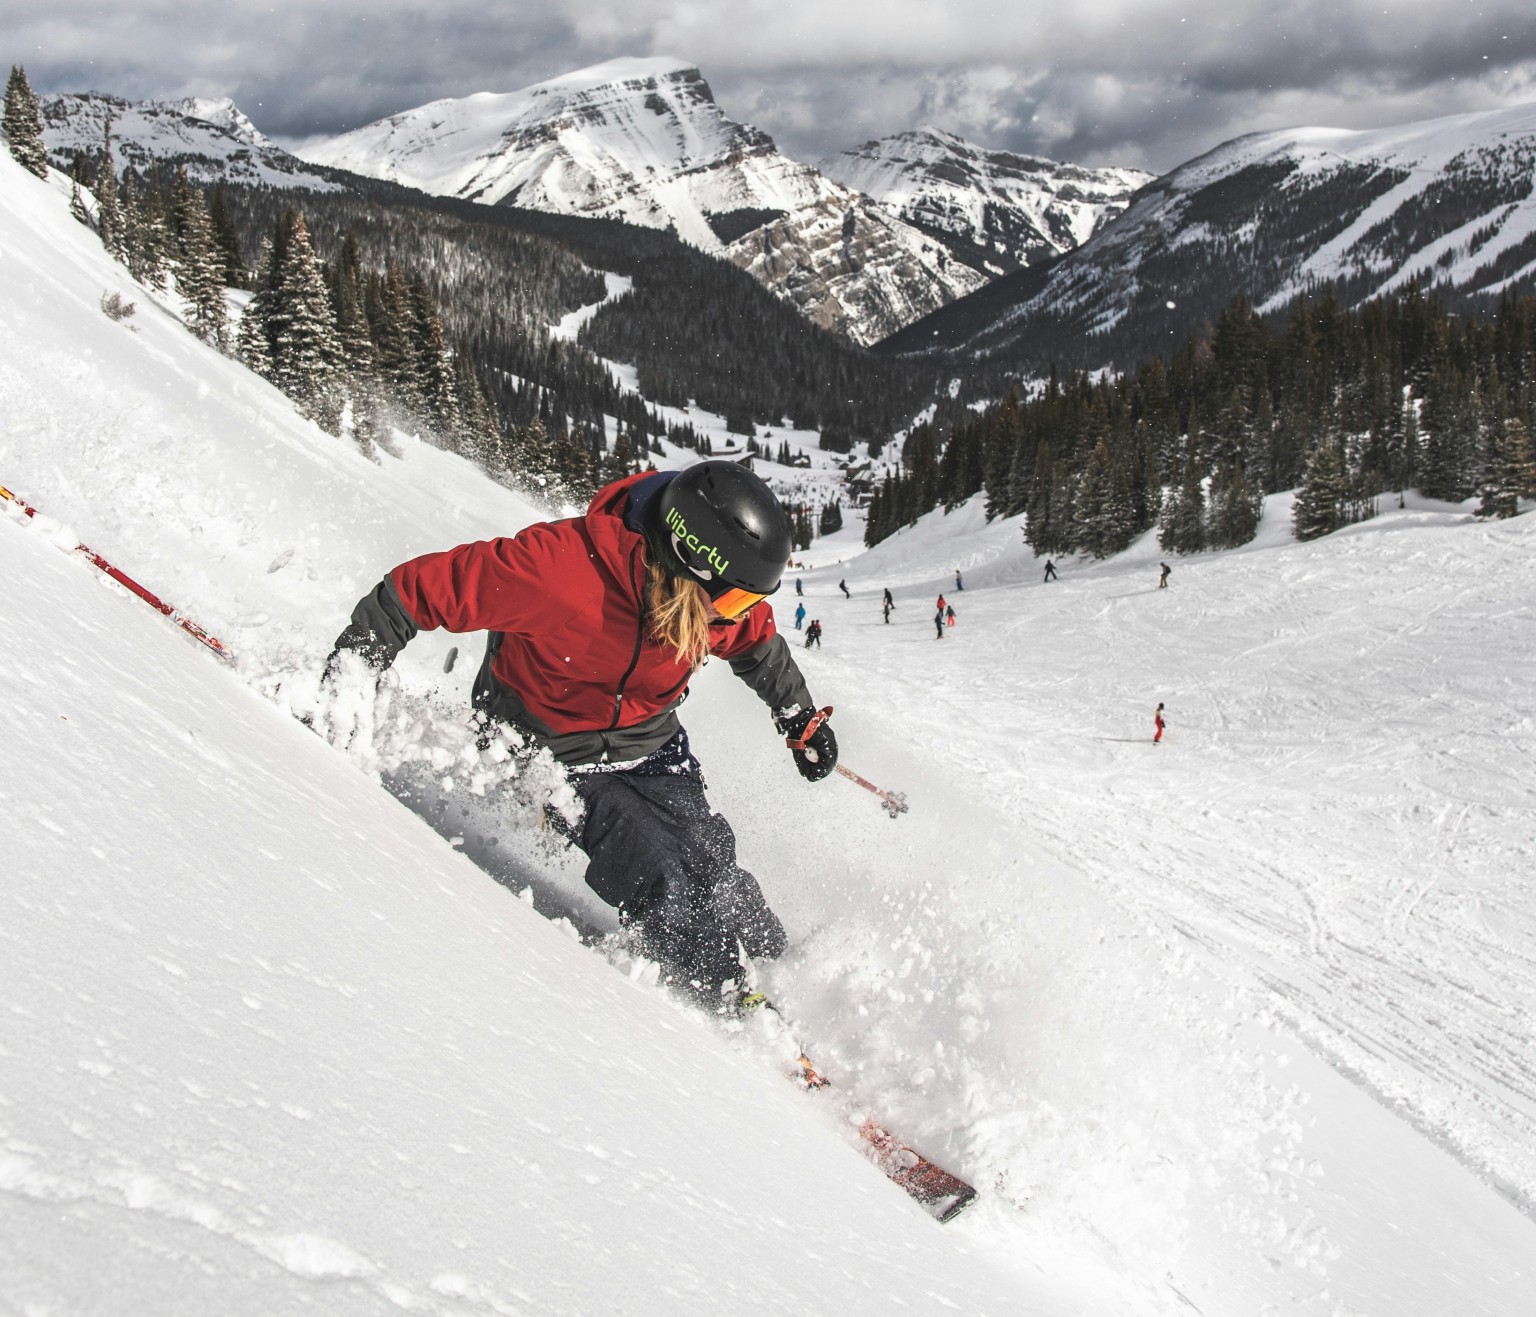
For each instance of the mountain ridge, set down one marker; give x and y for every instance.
(645, 141)
(1014, 210)
(1445, 203)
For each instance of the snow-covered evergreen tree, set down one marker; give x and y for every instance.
(1040, 520)
(1103, 523)
(1511, 472)
(1319, 508)
(1235, 508)
(253, 342)
(108, 214)
(1182, 527)
(620, 462)
(199, 266)
(306, 352)
(23, 125)
(365, 400)
(436, 369)
(389, 315)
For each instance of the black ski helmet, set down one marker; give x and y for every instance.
(724, 526)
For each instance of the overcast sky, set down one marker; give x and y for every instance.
(1127, 82)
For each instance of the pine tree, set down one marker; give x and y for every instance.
(1040, 530)
(1182, 529)
(1511, 473)
(23, 125)
(390, 318)
(1146, 485)
(925, 472)
(997, 460)
(480, 435)
(306, 353)
(198, 266)
(437, 371)
(253, 341)
(1319, 508)
(1103, 522)
(802, 533)
(1236, 507)
(226, 238)
(621, 461)
(108, 215)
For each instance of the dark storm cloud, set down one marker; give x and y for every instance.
(1117, 82)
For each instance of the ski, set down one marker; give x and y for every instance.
(942, 1194)
(122, 578)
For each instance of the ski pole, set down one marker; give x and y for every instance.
(122, 578)
(895, 802)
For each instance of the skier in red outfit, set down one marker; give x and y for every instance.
(597, 624)
(1157, 719)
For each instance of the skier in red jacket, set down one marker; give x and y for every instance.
(597, 624)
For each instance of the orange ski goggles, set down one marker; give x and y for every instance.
(734, 602)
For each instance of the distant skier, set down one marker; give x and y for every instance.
(813, 633)
(890, 601)
(949, 615)
(938, 624)
(940, 605)
(843, 586)
(799, 615)
(1050, 570)
(1162, 581)
(596, 626)
(1157, 721)
(959, 584)
(799, 589)
(886, 605)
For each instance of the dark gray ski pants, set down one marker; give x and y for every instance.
(668, 863)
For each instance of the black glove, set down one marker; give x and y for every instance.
(816, 754)
(362, 641)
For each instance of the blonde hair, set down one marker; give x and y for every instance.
(679, 614)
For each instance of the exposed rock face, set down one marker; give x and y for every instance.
(643, 141)
(998, 210)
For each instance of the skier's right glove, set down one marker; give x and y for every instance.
(808, 733)
(358, 639)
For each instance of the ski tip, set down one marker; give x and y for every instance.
(947, 1209)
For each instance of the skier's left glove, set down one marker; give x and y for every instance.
(808, 733)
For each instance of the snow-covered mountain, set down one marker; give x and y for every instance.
(211, 137)
(1240, 1024)
(642, 140)
(1275, 215)
(1013, 210)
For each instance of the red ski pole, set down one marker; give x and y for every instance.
(894, 802)
(122, 578)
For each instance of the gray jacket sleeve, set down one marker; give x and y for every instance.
(771, 671)
(380, 627)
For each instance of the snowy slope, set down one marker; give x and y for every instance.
(642, 140)
(272, 1044)
(261, 1018)
(1016, 209)
(1273, 215)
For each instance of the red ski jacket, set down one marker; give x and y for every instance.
(571, 647)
